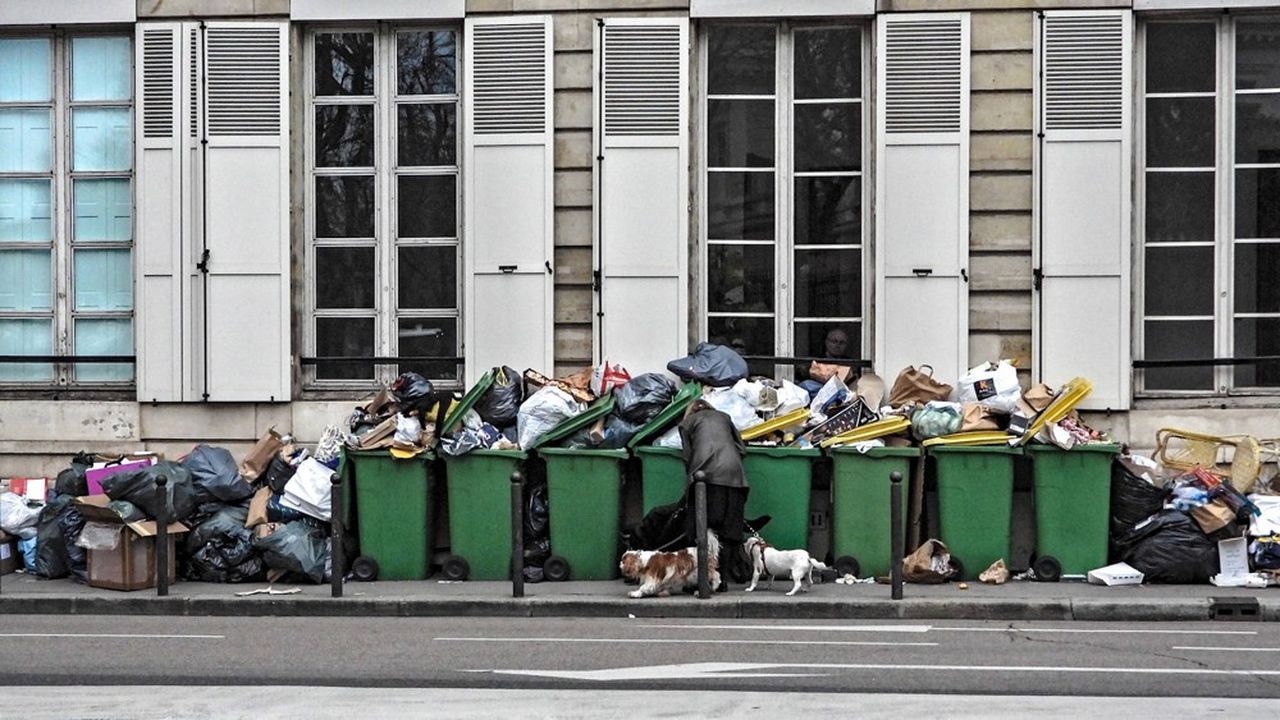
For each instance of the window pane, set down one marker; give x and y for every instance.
(827, 339)
(103, 280)
(344, 64)
(1257, 337)
(1180, 207)
(748, 336)
(828, 137)
(739, 206)
(26, 76)
(101, 68)
(428, 206)
(1256, 288)
(1257, 55)
(430, 337)
(1179, 281)
(1258, 203)
(740, 133)
(26, 280)
(740, 278)
(1182, 340)
(828, 63)
(344, 207)
(345, 277)
(26, 337)
(104, 210)
(1181, 57)
(428, 63)
(1258, 128)
(828, 283)
(24, 211)
(428, 277)
(740, 60)
(344, 337)
(344, 136)
(427, 134)
(104, 336)
(101, 138)
(25, 140)
(1180, 132)
(828, 211)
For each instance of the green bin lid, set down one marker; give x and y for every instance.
(878, 452)
(669, 416)
(782, 452)
(486, 452)
(974, 450)
(655, 450)
(598, 409)
(617, 453)
(468, 401)
(1108, 448)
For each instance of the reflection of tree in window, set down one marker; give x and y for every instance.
(344, 64)
(427, 63)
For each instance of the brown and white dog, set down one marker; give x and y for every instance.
(770, 561)
(661, 573)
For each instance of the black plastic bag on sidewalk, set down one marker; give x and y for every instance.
(537, 538)
(1133, 500)
(71, 523)
(51, 546)
(139, 488)
(221, 549)
(500, 405)
(714, 365)
(296, 548)
(215, 475)
(643, 397)
(1171, 548)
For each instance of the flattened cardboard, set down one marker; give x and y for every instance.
(95, 507)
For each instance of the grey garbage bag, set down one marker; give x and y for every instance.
(139, 488)
(643, 397)
(297, 548)
(215, 475)
(714, 365)
(500, 404)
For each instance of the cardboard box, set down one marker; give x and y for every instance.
(10, 558)
(128, 561)
(1118, 574)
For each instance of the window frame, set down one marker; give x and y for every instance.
(1224, 198)
(62, 244)
(386, 171)
(785, 175)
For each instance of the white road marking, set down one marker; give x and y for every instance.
(805, 628)
(678, 641)
(113, 636)
(934, 628)
(1225, 649)
(1096, 631)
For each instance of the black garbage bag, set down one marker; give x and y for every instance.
(501, 403)
(51, 546)
(537, 538)
(139, 488)
(1133, 500)
(127, 511)
(216, 475)
(662, 528)
(641, 399)
(71, 481)
(714, 365)
(1171, 548)
(537, 552)
(71, 523)
(296, 548)
(412, 391)
(278, 474)
(221, 549)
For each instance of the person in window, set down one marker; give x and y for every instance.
(834, 345)
(711, 444)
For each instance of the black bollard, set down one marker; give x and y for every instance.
(895, 528)
(517, 534)
(700, 527)
(337, 569)
(162, 537)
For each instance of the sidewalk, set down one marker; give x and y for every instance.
(20, 593)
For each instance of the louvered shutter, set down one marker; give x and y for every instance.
(158, 192)
(642, 189)
(508, 159)
(922, 188)
(1082, 213)
(246, 212)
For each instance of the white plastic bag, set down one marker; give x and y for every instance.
(670, 439)
(15, 516)
(993, 385)
(791, 397)
(731, 403)
(408, 430)
(608, 376)
(760, 396)
(309, 490)
(99, 536)
(836, 390)
(542, 411)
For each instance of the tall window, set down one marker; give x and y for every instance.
(783, 189)
(66, 206)
(382, 206)
(1211, 222)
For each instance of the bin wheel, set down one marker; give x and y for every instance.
(455, 568)
(847, 565)
(556, 569)
(364, 569)
(1047, 569)
(957, 568)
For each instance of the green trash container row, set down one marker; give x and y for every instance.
(394, 510)
(1073, 508)
(860, 524)
(975, 503)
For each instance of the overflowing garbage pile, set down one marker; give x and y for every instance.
(263, 518)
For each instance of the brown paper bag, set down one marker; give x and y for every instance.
(258, 508)
(1036, 398)
(915, 385)
(920, 566)
(997, 574)
(823, 372)
(259, 457)
(1213, 517)
(977, 417)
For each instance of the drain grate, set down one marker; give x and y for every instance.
(1234, 608)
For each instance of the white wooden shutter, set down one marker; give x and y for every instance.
(922, 189)
(246, 212)
(158, 192)
(508, 158)
(1083, 201)
(642, 190)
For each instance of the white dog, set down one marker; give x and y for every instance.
(766, 559)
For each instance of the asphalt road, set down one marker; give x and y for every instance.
(985, 660)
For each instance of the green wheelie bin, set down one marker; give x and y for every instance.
(781, 479)
(861, 538)
(1073, 508)
(975, 503)
(662, 473)
(395, 512)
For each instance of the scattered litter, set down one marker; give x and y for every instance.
(997, 574)
(268, 591)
